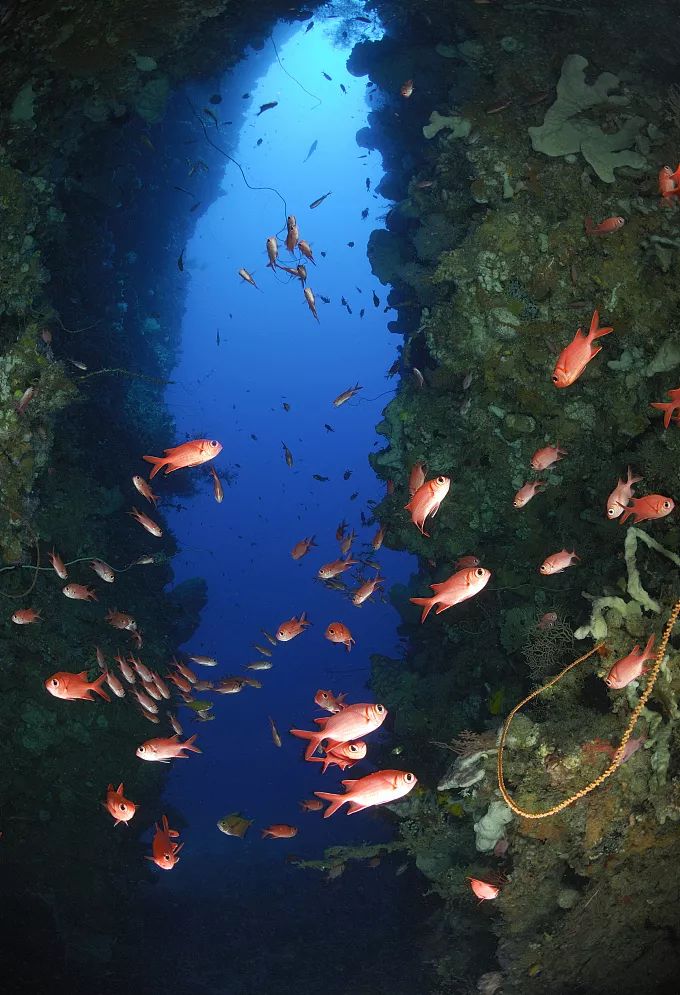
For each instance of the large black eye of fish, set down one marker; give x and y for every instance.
(123, 807)
(440, 480)
(479, 572)
(214, 444)
(55, 684)
(666, 505)
(554, 378)
(380, 709)
(353, 748)
(408, 778)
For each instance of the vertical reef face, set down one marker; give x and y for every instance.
(521, 127)
(90, 310)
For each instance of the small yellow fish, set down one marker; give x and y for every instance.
(234, 825)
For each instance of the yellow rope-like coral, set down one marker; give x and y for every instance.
(618, 756)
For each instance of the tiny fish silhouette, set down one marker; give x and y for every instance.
(312, 149)
(368, 183)
(364, 213)
(342, 87)
(180, 261)
(376, 300)
(317, 476)
(329, 428)
(267, 107)
(309, 26)
(350, 245)
(326, 75)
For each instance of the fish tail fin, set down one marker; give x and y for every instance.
(648, 653)
(595, 332)
(190, 745)
(632, 478)
(313, 737)
(97, 687)
(335, 801)
(158, 462)
(427, 605)
(667, 408)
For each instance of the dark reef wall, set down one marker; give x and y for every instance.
(90, 308)
(495, 169)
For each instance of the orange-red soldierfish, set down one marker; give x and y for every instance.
(117, 805)
(416, 479)
(630, 667)
(311, 805)
(279, 831)
(26, 616)
(247, 277)
(407, 88)
(669, 183)
(125, 669)
(351, 723)
(145, 701)
(292, 628)
(58, 564)
(103, 571)
(339, 633)
(301, 548)
(330, 702)
(218, 490)
(375, 789)
(427, 500)
(346, 395)
(483, 890)
(114, 684)
(119, 620)
(365, 591)
(75, 687)
(668, 407)
(141, 668)
(336, 567)
(344, 756)
(185, 671)
(573, 360)
(306, 250)
(272, 252)
(311, 301)
(143, 488)
(621, 495)
(557, 562)
(161, 686)
(164, 851)
(78, 592)
(604, 227)
(146, 523)
(188, 454)
(378, 538)
(293, 233)
(163, 750)
(647, 508)
(458, 587)
(467, 561)
(527, 492)
(545, 457)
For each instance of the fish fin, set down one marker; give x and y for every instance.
(355, 807)
(426, 603)
(321, 721)
(595, 332)
(97, 687)
(189, 745)
(335, 801)
(158, 462)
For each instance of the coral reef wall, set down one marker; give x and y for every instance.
(524, 133)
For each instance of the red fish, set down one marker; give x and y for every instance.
(527, 492)
(26, 616)
(557, 562)
(604, 227)
(669, 182)
(58, 564)
(188, 454)
(330, 702)
(293, 235)
(630, 667)
(121, 808)
(573, 360)
(119, 620)
(78, 592)
(163, 750)
(621, 495)
(311, 805)
(668, 407)
(144, 489)
(458, 587)
(547, 621)
(545, 457)
(375, 789)
(301, 548)
(279, 831)
(352, 723)
(103, 571)
(484, 890)
(366, 591)
(339, 633)
(427, 500)
(306, 250)
(146, 523)
(163, 849)
(114, 684)
(466, 562)
(647, 508)
(74, 687)
(343, 756)
(292, 628)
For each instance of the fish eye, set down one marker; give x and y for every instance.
(610, 512)
(353, 748)
(380, 709)
(666, 504)
(54, 683)
(140, 749)
(479, 572)
(408, 778)
(331, 630)
(554, 378)
(214, 443)
(440, 480)
(123, 807)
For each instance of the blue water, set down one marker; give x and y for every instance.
(272, 350)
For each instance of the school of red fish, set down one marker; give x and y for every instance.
(339, 737)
